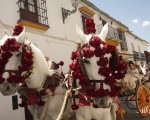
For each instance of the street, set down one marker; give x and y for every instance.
(133, 115)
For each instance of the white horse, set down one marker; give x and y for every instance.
(88, 112)
(39, 75)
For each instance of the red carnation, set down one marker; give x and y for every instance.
(87, 52)
(102, 71)
(61, 63)
(15, 47)
(110, 80)
(18, 29)
(89, 26)
(74, 55)
(105, 71)
(6, 55)
(109, 48)
(74, 65)
(102, 61)
(101, 92)
(95, 41)
(76, 74)
(99, 52)
(5, 48)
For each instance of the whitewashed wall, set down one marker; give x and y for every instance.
(56, 43)
(136, 42)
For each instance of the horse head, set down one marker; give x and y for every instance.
(91, 67)
(10, 59)
(18, 62)
(96, 64)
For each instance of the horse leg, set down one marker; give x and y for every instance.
(83, 113)
(33, 111)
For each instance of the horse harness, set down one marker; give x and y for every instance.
(31, 96)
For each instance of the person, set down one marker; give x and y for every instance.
(134, 71)
(143, 69)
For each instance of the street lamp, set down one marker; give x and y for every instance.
(66, 13)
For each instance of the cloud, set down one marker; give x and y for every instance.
(146, 23)
(135, 21)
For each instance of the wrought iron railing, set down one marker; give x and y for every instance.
(33, 10)
(112, 32)
(136, 55)
(142, 56)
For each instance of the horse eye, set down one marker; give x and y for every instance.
(18, 54)
(85, 60)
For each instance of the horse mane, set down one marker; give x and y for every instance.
(40, 65)
(113, 61)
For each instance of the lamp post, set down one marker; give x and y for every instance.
(66, 13)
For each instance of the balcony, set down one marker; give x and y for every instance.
(33, 13)
(142, 56)
(138, 56)
(112, 32)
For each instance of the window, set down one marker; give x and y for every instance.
(33, 11)
(123, 41)
(103, 22)
(132, 46)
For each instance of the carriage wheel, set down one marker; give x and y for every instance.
(143, 100)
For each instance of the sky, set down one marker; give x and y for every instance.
(135, 14)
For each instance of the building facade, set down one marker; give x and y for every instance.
(56, 37)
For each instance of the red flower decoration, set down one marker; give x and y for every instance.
(95, 41)
(74, 55)
(99, 52)
(88, 53)
(89, 26)
(61, 63)
(109, 48)
(74, 107)
(102, 61)
(18, 29)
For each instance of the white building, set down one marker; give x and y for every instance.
(45, 28)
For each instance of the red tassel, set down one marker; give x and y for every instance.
(95, 105)
(74, 106)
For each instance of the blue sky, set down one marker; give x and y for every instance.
(135, 14)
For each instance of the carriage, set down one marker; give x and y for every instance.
(138, 97)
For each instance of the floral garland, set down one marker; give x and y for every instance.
(104, 69)
(6, 52)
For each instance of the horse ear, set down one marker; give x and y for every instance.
(104, 32)
(81, 35)
(21, 36)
